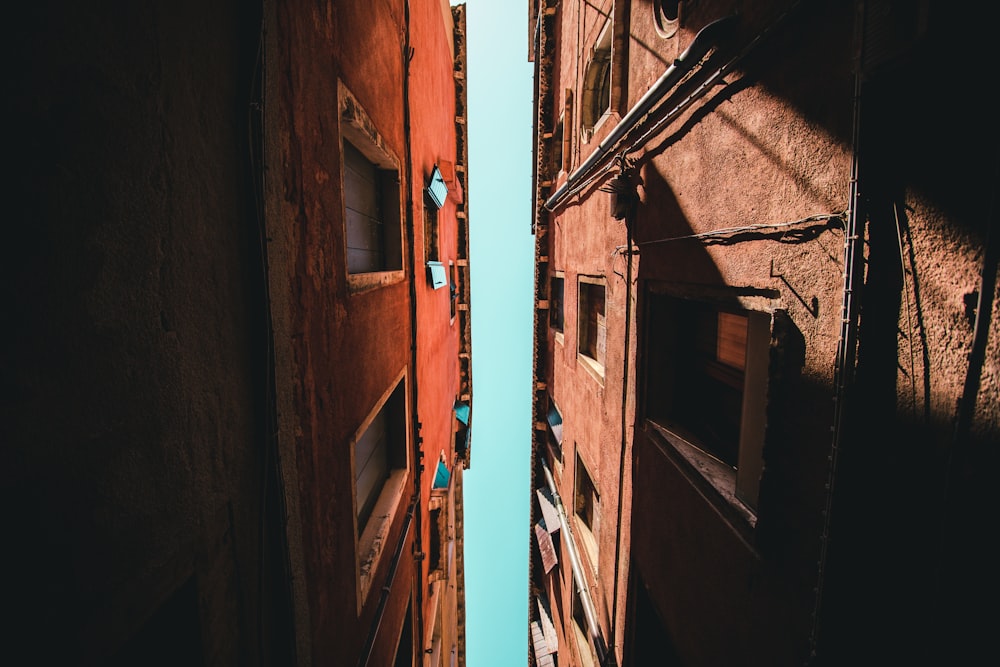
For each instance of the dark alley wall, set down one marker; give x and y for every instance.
(134, 367)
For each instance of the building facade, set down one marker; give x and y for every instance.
(765, 372)
(237, 381)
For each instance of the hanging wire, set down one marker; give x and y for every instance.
(728, 231)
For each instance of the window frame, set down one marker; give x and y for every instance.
(371, 535)
(738, 484)
(595, 364)
(666, 17)
(596, 100)
(431, 222)
(588, 495)
(358, 130)
(557, 303)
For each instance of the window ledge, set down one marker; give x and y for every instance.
(362, 282)
(715, 479)
(559, 337)
(376, 534)
(588, 541)
(592, 366)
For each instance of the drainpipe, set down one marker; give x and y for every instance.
(630, 215)
(414, 510)
(706, 38)
(848, 341)
(418, 553)
(589, 611)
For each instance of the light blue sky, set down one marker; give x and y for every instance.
(501, 248)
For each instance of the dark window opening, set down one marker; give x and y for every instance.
(556, 303)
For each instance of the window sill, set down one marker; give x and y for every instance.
(376, 534)
(592, 366)
(715, 479)
(559, 337)
(588, 542)
(362, 282)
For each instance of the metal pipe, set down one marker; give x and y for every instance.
(589, 611)
(706, 38)
(847, 344)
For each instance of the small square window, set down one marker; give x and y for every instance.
(592, 332)
(371, 201)
(373, 231)
(556, 303)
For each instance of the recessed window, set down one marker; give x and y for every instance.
(379, 459)
(592, 331)
(597, 83)
(379, 450)
(371, 200)
(587, 507)
(430, 233)
(556, 152)
(372, 204)
(556, 303)
(706, 382)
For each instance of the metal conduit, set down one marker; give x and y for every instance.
(706, 38)
(577, 566)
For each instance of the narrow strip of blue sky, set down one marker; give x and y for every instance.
(501, 249)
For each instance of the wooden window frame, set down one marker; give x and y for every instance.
(676, 401)
(358, 130)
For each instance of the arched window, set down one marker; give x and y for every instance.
(597, 84)
(665, 15)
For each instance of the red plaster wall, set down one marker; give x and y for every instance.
(773, 143)
(346, 346)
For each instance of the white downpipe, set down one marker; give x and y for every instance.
(577, 566)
